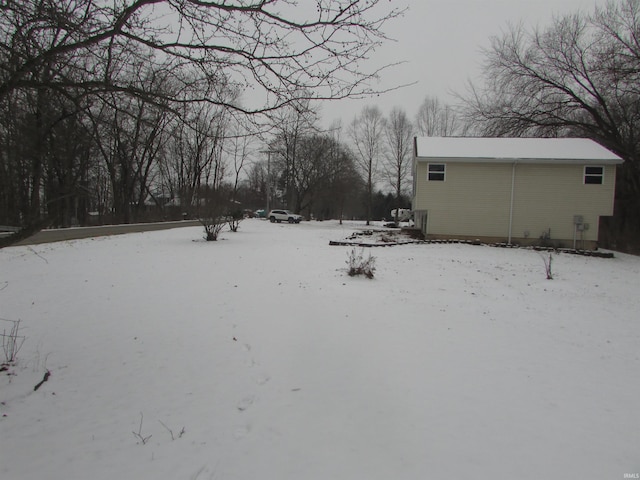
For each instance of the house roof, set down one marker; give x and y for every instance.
(509, 150)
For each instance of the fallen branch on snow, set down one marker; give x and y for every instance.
(46, 377)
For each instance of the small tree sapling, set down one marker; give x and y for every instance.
(547, 266)
(11, 341)
(142, 439)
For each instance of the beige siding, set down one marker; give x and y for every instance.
(474, 200)
(548, 197)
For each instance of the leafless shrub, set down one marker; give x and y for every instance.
(11, 342)
(234, 220)
(173, 437)
(142, 439)
(212, 227)
(213, 216)
(359, 265)
(547, 266)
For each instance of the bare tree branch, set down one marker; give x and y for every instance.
(279, 47)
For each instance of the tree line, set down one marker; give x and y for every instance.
(111, 105)
(109, 108)
(361, 170)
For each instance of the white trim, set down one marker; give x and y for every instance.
(535, 161)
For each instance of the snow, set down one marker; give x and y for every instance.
(509, 149)
(455, 361)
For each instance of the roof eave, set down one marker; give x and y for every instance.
(546, 161)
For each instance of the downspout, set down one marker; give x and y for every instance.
(513, 187)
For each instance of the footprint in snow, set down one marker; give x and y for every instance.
(242, 432)
(246, 402)
(262, 378)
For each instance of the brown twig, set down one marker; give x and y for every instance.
(46, 377)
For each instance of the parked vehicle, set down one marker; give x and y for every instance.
(284, 216)
(404, 214)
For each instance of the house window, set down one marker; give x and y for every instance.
(436, 172)
(593, 175)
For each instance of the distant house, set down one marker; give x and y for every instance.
(523, 191)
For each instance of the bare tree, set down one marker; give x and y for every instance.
(44, 157)
(95, 53)
(312, 171)
(69, 160)
(130, 136)
(257, 181)
(435, 119)
(194, 158)
(398, 136)
(343, 188)
(291, 125)
(579, 77)
(366, 132)
(239, 148)
(276, 47)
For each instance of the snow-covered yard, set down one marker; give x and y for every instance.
(263, 359)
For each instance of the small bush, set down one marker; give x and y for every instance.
(11, 341)
(234, 220)
(212, 216)
(212, 228)
(359, 265)
(547, 266)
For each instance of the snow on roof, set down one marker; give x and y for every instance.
(509, 149)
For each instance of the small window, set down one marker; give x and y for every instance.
(593, 175)
(436, 172)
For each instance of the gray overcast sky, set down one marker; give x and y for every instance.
(441, 42)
